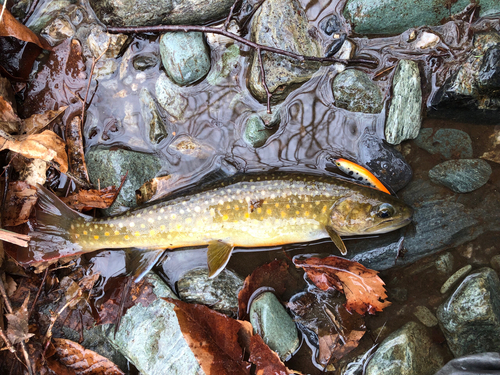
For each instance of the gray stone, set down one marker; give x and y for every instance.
(160, 12)
(170, 97)
(407, 351)
(405, 111)
(155, 127)
(396, 16)
(220, 293)
(185, 57)
(425, 316)
(398, 294)
(495, 263)
(449, 143)
(461, 176)
(475, 364)
(488, 78)
(355, 91)
(256, 132)
(106, 167)
(271, 321)
(454, 278)
(470, 317)
(225, 65)
(281, 24)
(444, 263)
(145, 61)
(384, 161)
(104, 44)
(330, 25)
(150, 337)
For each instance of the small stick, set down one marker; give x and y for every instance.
(14, 238)
(6, 341)
(231, 11)
(263, 77)
(38, 293)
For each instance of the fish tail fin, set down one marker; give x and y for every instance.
(51, 237)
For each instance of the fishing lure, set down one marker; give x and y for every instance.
(360, 174)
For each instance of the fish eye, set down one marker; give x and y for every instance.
(385, 211)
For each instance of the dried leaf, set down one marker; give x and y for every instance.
(213, 338)
(17, 328)
(363, 289)
(19, 202)
(267, 362)
(81, 361)
(9, 26)
(76, 156)
(153, 189)
(9, 121)
(37, 122)
(88, 199)
(274, 275)
(46, 146)
(333, 346)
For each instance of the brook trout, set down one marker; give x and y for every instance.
(246, 211)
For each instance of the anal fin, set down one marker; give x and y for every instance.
(218, 255)
(141, 261)
(336, 239)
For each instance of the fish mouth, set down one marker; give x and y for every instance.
(389, 225)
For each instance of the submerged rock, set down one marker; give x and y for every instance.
(396, 16)
(488, 78)
(150, 337)
(461, 176)
(384, 161)
(470, 318)
(271, 321)
(170, 98)
(257, 131)
(449, 143)
(220, 293)
(160, 12)
(106, 167)
(281, 24)
(405, 111)
(155, 128)
(185, 57)
(330, 25)
(355, 91)
(476, 364)
(407, 351)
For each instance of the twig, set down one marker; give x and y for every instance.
(3, 10)
(38, 293)
(263, 77)
(30, 11)
(6, 341)
(125, 293)
(231, 11)
(14, 238)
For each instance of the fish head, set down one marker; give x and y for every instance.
(371, 213)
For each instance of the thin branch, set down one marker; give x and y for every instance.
(30, 11)
(14, 238)
(39, 290)
(231, 11)
(3, 10)
(6, 340)
(263, 78)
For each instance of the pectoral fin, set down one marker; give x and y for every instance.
(141, 261)
(336, 240)
(218, 255)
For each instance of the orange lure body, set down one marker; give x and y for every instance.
(360, 174)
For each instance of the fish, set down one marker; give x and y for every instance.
(360, 174)
(243, 211)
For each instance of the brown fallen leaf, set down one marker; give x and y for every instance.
(274, 275)
(37, 122)
(266, 361)
(9, 26)
(47, 146)
(9, 121)
(79, 360)
(362, 287)
(88, 199)
(17, 328)
(335, 346)
(19, 202)
(213, 338)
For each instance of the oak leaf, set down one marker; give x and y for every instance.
(88, 199)
(9, 26)
(362, 287)
(265, 360)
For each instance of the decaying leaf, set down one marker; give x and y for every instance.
(46, 146)
(337, 345)
(78, 360)
(12, 27)
(9, 121)
(88, 199)
(32, 171)
(76, 156)
(17, 328)
(37, 122)
(153, 189)
(213, 338)
(274, 275)
(266, 361)
(362, 287)
(19, 202)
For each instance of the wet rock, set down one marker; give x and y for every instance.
(170, 98)
(495, 263)
(145, 61)
(449, 143)
(405, 117)
(396, 16)
(220, 293)
(106, 167)
(105, 44)
(407, 351)
(476, 364)
(160, 12)
(330, 25)
(454, 278)
(475, 84)
(225, 65)
(58, 30)
(470, 318)
(189, 146)
(398, 294)
(384, 161)
(155, 127)
(461, 176)
(281, 24)
(441, 220)
(150, 337)
(355, 91)
(444, 263)
(425, 316)
(271, 321)
(185, 57)
(493, 153)
(427, 40)
(257, 132)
